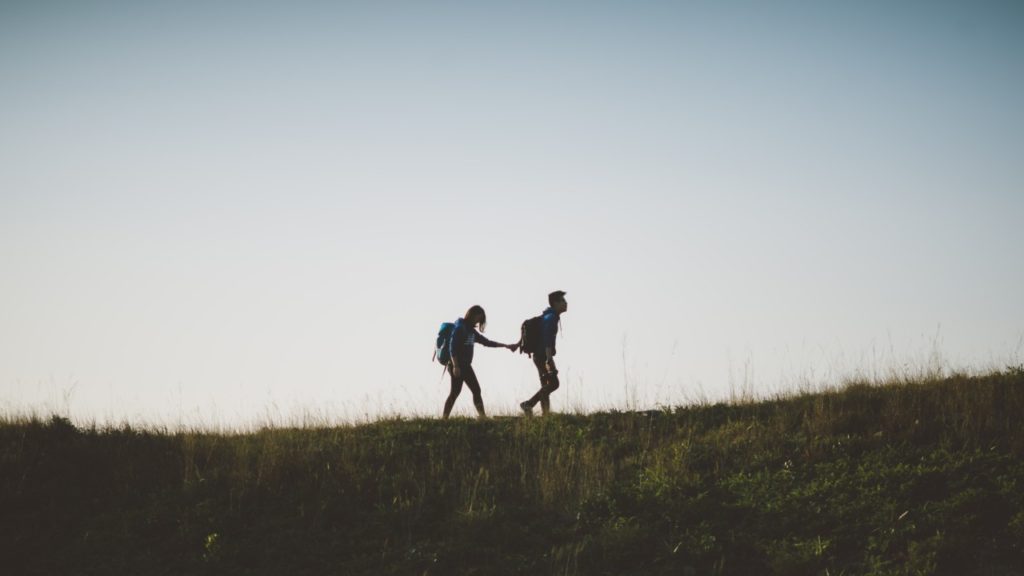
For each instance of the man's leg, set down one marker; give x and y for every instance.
(550, 384)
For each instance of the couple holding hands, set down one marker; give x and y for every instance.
(537, 339)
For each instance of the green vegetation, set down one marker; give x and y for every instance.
(920, 477)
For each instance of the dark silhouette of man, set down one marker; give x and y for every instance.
(545, 360)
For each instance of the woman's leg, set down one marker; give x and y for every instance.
(456, 388)
(474, 386)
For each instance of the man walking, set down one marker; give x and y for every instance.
(544, 354)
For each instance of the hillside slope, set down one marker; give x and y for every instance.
(908, 478)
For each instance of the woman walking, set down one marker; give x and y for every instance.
(464, 337)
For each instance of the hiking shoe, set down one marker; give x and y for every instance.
(527, 409)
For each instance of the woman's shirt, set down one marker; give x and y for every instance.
(463, 338)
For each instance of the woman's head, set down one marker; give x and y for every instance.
(476, 316)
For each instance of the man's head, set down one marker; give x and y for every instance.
(557, 301)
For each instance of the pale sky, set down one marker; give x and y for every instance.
(232, 212)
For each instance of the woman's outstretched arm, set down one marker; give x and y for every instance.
(481, 339)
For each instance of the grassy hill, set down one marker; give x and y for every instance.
(906, 478)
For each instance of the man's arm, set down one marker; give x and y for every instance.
(549, 327)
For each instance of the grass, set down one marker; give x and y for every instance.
(913, 477)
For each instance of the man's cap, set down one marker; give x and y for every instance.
(556, 295)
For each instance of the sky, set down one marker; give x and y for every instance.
(240, 213)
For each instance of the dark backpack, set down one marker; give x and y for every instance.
(531, 336)
(442, 348)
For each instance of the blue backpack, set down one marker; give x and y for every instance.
(442, 349)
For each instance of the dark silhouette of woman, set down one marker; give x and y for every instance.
(464, 337)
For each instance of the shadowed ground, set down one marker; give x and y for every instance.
(901, 478)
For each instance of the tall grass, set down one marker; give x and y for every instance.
(723, 488)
